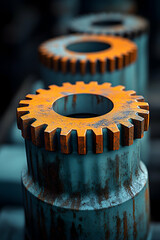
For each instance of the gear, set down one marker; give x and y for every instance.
(87, 53)
(118, 24)
(47, 118)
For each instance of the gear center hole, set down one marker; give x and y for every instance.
(107, 23)
(83, 105)
(88, 46)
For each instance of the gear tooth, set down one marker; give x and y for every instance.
(81, 134)
(138, 123)
(24, 103)
(67, 84)
(103, 65)
(119, 88)
(80, 84)
(26, 121)
(93, 84)
(30, 96)
(145, 114)
(106, 85)
(112, 64)
(82, 66)
(138, 98)
(120, 62)
(98, 140)
(144, 105)
(131, 92)
(64, 140)
(40, 91)
(56, 60)
(37, 133)
(63, 64)
(127, 133)
(20, 112)
(49, 60)
(49, 138)
(93, 67)
(114, 137)
(73, 65)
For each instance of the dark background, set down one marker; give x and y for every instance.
(25, 24)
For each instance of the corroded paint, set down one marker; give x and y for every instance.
(43, 130)
(123, 221)
(121, 53)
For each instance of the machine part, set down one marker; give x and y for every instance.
(103, 101)
(78, 53)
(76, 186)
(124, 25)
(89, 58)
(118, 24)
(127, 26)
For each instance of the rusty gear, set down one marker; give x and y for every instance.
(124, 25)
(55, 54)
(128, 118)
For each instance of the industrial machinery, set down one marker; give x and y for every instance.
(125, 25)
(85, 179)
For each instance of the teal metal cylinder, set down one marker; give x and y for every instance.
(97, 196)
(84, 177)
(125, 25)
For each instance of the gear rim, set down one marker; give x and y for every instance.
(54, 54)
(35, 114)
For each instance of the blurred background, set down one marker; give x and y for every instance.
(24, 25)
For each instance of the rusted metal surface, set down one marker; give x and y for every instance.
(124, 25)
(91, 185)
(39, 116)
(102, 54)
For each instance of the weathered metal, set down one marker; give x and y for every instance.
(124, 25)
(84, 179)
(129, 26)
(88, 58)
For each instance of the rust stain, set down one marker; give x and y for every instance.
(125, 226)
(29, 184)
(128, 188)
(73, 232)
(147, 199)
(31, 164)
(134, 221)
(80, 229)
(65, 103)
(74, 101)
(61, 234)
(117, 169)
(52, 227)
(118, 226)
(43, 225)
(107, 234)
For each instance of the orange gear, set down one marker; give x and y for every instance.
(41, 123)
(56, 55)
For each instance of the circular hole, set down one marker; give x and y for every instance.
(83, 105)
(107, 23)
(88, 46)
